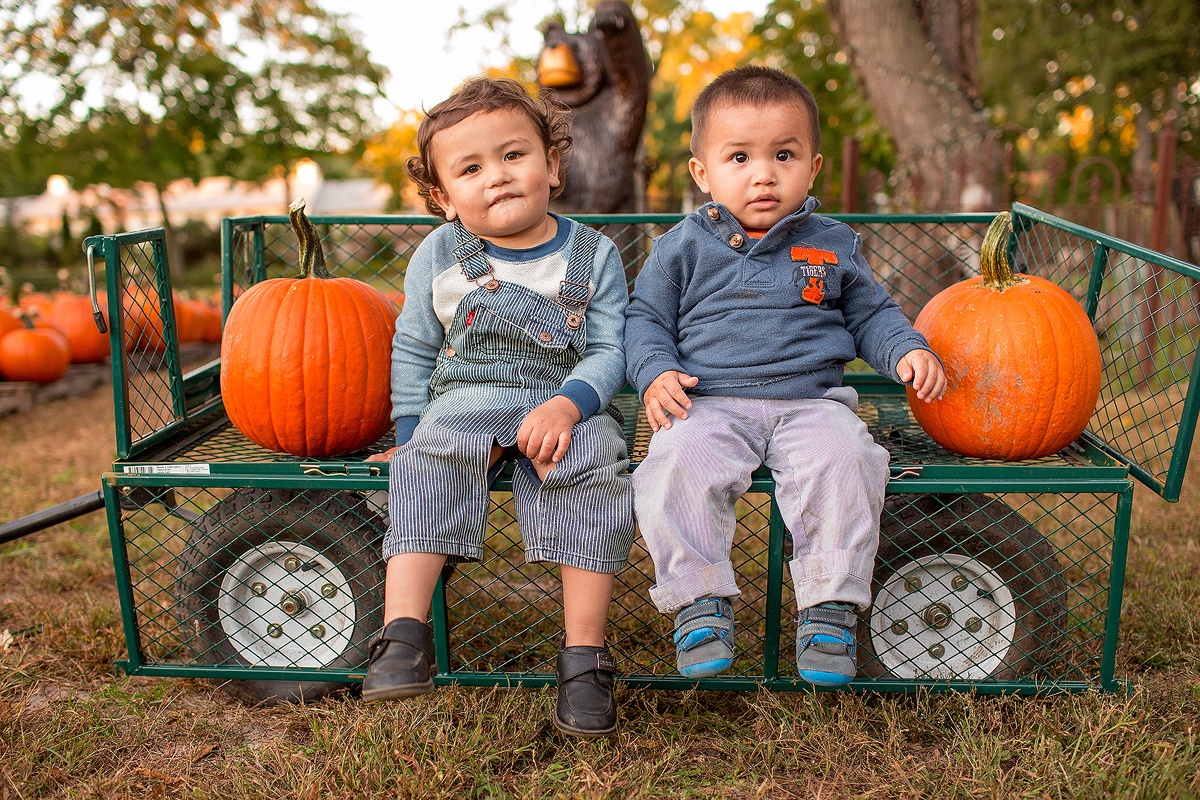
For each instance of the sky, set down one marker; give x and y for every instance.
(409, 37)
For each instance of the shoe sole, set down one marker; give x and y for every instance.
(581, 732)
(825, 678)
(397, 692)
(706, 669)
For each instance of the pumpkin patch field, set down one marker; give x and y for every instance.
(69, 727)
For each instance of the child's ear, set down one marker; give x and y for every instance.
(443, 200)
(817, 161)
(699, 174)
(553, 160)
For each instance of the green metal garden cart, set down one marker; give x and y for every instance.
(262, 570)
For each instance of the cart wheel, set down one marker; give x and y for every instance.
(281, 578)
(964, 589)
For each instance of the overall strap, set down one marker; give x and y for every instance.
(574, 293)
(468, 254)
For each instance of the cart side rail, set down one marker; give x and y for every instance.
(1144, 305)
(1146, 310)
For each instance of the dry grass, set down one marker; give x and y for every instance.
(70, 728)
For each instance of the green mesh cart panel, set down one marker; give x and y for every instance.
(239, 563)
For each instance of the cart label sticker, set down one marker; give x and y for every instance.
(167, 469)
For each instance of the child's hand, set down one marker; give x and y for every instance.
(384, 456)
(922, 370)
(666, 396)
(545, 432)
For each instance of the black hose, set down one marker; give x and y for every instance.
(38, 520)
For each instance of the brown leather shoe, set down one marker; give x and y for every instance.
(402, 659)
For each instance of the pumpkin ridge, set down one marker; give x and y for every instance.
(334, 387)
(265, 368)
(286, 336)
(370, 305)
(1053, 412)
(256, 367)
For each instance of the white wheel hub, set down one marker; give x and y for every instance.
(945, 617)
(283, 604)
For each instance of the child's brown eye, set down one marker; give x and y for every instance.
(741, 158)
(784, 155)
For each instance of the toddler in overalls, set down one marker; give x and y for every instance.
(509, 347)
(739, 327)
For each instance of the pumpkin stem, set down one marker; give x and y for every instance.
(312, 258)
(993, 256)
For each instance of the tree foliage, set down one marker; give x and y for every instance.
(1082, 72)
(192, 87)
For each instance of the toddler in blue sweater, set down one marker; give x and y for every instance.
(737, 335)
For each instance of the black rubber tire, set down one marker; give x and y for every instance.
(990, 533)
(339, 526)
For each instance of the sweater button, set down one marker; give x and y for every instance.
(450, 352)
(737, 240)
(714, 214)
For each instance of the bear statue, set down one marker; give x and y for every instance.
(603, 78)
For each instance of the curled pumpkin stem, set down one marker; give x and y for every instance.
(312, 257)
(993, 256)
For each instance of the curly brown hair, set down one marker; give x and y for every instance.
(485, 95)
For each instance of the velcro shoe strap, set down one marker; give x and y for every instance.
(813, 629)
(707, 608)
(718, 625)
(572, 665)
(408, 632)
(831, 616)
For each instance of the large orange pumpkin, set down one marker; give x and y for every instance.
(72, 314)
(34, 354)
(305, 362)
(1021, 357)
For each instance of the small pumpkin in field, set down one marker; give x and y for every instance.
(305, 362)
(1021, 357)
(34, 354)
(189, 324)
(8, 322)
(143, 320)
(72, 314)
(210, 316)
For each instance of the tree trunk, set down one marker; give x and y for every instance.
(917, 61)
(174, 246)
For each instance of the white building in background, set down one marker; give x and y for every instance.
(207, 201)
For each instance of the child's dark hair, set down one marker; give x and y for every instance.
(487, 94)
(752, 86)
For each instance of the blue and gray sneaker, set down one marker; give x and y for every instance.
(704, 638)
(825, 644)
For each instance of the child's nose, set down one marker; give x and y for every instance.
(764, 175)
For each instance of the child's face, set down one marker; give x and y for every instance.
(757, 161)
(495, 176)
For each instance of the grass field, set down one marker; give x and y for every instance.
(69, 728)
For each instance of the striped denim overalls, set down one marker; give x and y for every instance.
(507, 351)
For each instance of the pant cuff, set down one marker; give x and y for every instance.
(714, 580)
(841, 576)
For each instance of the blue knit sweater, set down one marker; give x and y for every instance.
(777, 317)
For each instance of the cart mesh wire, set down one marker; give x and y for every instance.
(1005, 588)
(974, 586)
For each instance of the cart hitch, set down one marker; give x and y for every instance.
(39, 520)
